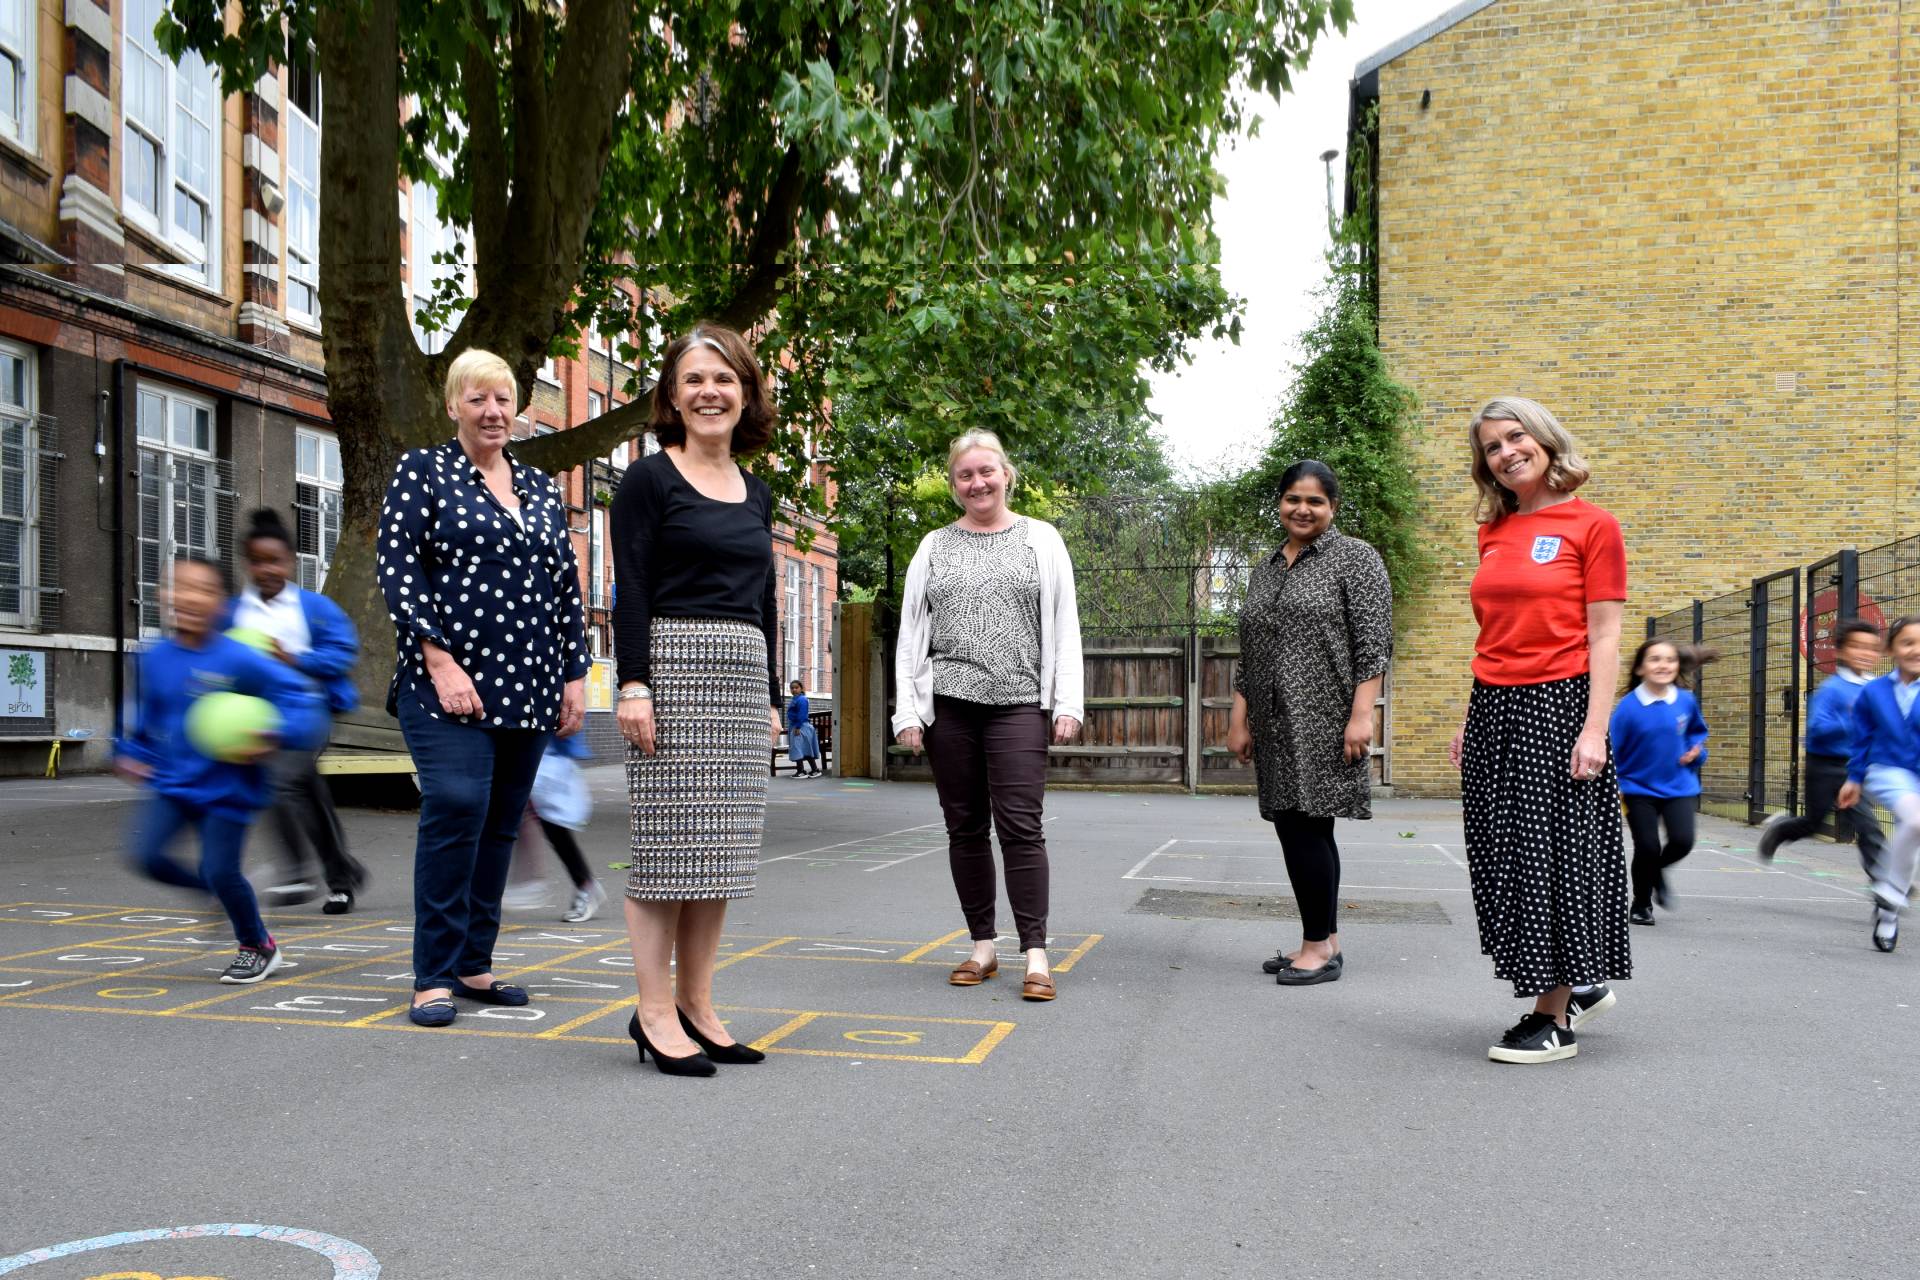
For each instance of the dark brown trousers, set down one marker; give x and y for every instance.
(990, 768)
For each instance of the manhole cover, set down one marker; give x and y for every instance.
(1253, 906)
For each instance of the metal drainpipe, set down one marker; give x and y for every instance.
(121, 595)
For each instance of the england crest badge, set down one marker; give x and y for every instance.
(1546, 550)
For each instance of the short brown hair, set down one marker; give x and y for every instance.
(755, 428)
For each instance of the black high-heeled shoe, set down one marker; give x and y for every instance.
(727, 1053)
(694, 1064)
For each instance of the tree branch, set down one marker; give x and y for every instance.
(766, 262)
(566, 449)
(486, 148)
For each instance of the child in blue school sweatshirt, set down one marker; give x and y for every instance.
(1885, 765)
(1659, 744)
(1856, 652)
(189, 789)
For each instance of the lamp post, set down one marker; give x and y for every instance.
(1327, 158)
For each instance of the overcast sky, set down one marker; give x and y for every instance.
(1272, 224)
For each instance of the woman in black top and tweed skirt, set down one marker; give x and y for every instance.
(694, 634)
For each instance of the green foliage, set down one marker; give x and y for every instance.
(1348, 410)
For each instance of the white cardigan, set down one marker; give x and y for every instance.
(1062, 681)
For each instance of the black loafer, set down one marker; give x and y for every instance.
(1641, 915)
(1328, 972)
(433, 1013)
(498, 993)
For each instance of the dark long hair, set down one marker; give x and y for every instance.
(1692, 658)
(755, 428)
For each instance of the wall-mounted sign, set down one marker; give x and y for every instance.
(23, 684)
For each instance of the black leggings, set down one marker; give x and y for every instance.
(569, 850)
(1645, 814)
(1313, 865)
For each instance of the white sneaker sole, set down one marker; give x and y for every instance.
(1593, 1011)
(273, 964)
(1527, 1057)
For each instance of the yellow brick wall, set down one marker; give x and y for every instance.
(1681, 225)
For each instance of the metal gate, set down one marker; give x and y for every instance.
(1773, 741)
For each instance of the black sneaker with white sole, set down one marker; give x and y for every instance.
(1769, 842)
(1535, 1038)
(252, 964)
(1583, 1007)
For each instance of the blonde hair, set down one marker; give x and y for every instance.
(971, 440)
(1566, 469)
(474, 367)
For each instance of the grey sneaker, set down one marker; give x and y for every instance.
(252, 964)
(531, 895)
(586, 902)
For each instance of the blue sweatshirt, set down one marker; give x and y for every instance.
(333, 646)
(1830, 713)
(1648, 740)
(171, 676)
(797, 711)
(1881, 735)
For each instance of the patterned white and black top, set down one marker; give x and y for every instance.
(983, 604)
(1310, 634)
(500, 594)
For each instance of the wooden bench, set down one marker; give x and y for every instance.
(822, 722)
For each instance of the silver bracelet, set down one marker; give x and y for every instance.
(637, 693)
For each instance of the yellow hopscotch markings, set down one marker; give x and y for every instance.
(235, 990)
(606, 1007)
(378, 1015)
(933, 946)
(82, 981)
(131, 937)
(978, 1054)
(1073, 957)
(750, 952)
(785, 1029)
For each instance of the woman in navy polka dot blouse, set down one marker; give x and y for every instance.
(491, 660)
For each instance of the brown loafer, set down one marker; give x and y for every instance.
(972, 974)
(1038, 986)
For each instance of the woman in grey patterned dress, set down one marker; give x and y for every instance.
(1315, 637)
(989, 645)
(699, 705)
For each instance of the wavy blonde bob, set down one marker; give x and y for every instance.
(969, 441)
(476, 368)
(1566, 469)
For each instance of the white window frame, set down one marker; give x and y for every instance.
(428, 234)
(597, 558)
(19, 47)
(303, 188)
(142, 57)
(813, 634)
(22, 415)
(324, 475)
(169, 450)
(793, 620)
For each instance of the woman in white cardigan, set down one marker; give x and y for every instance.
(988, 669)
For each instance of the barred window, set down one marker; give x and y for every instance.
(186, 494)
(28, 594)
(317, 505)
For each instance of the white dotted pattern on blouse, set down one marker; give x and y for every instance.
(502, 596)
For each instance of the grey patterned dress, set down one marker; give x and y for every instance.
(1309, 635)
(983, 608)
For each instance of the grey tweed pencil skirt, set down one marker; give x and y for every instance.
(699, 802)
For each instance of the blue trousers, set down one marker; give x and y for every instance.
(223, 838)
(474, 784)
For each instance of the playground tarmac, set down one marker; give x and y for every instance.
(1746, 1109)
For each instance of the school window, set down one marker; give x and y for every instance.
(594, 404)
(549, 371)
(316, 506)
(597, 559)
(793, 620)
(303, 190)
(430, 238)
(17, 19)
(813, 634)
(185, 495)
(25, 483)
(169, 181)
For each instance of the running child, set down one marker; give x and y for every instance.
(1829, 744)
(189, 789)
(1659, 744)
(1885, 765)
(561, 803)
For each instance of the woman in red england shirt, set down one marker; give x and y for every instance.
(1542, 806)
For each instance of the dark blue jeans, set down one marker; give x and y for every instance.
(474, 785)
(223, 838)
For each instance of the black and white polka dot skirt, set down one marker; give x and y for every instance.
(1544, 852)
(699, 802)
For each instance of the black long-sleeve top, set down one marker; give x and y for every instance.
(680, 554)
(500, 595)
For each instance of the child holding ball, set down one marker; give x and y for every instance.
(203, 769)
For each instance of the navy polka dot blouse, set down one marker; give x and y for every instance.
(502, 596)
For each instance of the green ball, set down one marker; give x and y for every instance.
(252, 637)
(227, 726)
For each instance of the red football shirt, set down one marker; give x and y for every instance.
(1537, 575)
